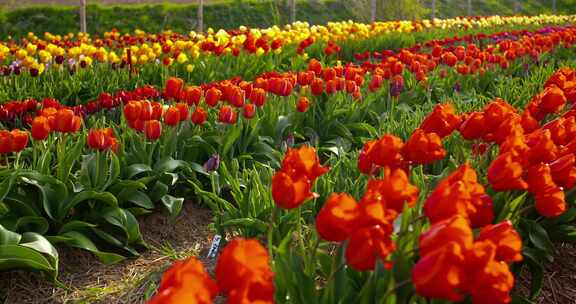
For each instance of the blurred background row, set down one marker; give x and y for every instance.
(17, 17)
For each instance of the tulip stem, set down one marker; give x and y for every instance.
(313, 258)
(299, 230)
(398, 286)
(17, 161)
(271, 232)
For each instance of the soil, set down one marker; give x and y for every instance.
(127, 282)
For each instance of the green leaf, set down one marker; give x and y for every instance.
(247, 223)
(39, 243)
(537, 276)
(105, 197)
(79, 240)
(32, 224)
(125, 221)
(137, 169)
(230, 138)
(539, 236)
(169, 164)
(138, 198)
(158, 191)
(8, 237)
(19, 257)
(173, 205)
(52, 191)
(6, 185)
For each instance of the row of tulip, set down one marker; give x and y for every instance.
(33, 52)
(464, 252)
(469, 59)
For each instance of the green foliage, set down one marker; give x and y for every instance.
(156, 18)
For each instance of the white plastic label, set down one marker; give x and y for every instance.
(214, 247)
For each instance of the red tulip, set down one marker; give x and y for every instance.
(184, 110)
(19, 140)
(303, 104)
(317, 86)
(249, 110)
(258, 96)
(173, 88)
(172, 116)
(227, 115)
(199, 116)
(212, 97)
(40, 128)
(192, 95)
(132, 110)
(153, 129)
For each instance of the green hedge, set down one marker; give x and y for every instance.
(154, 18)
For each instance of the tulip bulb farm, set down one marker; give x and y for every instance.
(427, 161)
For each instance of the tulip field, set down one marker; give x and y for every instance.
(424, 161)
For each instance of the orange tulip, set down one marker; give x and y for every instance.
(496, 112)
(338, 217)
(173, 88)
(473, 127)
(132, 110)
(66, 122)
(552, 100)
(243, 272)
(192, 95)
(439, 274)
(157, 111)
(40, 128)
(199, 116)
(19, 140)
(290, 192)
(387, 151)
(442, 120)
(249, 110)
(423, 148)
(303, 104)
(508, 242)
(172, 116)
(258, 96)
(367, 245)
(184, 110)
(551, 203)
(394, 191)
(452, 230)
(506, 174)
(317, 86)
(152, 129)
(227, 115)
(304, 162)
(542, 147)
(186, 282)
(212, 97)
(460, 194)
(564, 172)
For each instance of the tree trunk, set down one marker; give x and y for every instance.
(554, 6)
(83, 16)
(469, 7)
(433, 9)
(292, 11)
(372, 10)
(200, 26)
